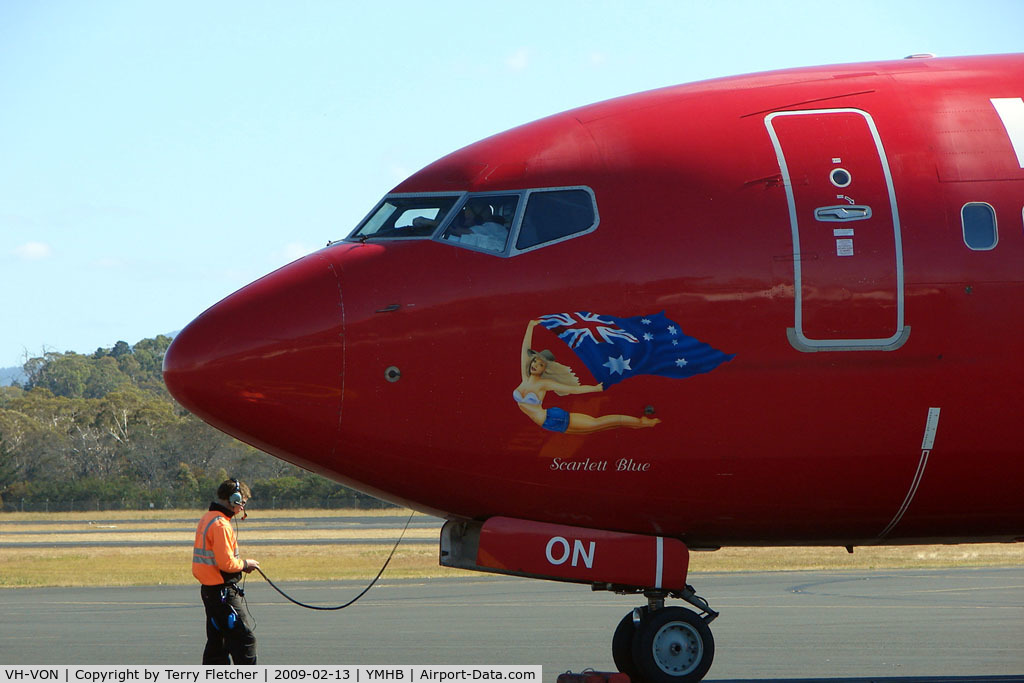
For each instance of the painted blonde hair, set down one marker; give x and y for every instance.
(553, 370)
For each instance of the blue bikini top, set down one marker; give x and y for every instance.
(530, 398)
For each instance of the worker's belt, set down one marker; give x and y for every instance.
(222, 589)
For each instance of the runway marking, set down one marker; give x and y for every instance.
(965, 590)
(111, 602)
(882, 608)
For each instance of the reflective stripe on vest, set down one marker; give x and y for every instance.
(200, 556)
(204, 561)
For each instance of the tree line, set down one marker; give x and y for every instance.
(102, 430)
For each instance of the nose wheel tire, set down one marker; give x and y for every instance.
(672, 645)
(622, 644)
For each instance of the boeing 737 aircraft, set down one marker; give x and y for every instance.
(774, 309)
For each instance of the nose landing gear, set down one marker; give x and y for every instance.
(653, 643)
(659, 644)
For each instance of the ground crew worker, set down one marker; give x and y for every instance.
(216, 564)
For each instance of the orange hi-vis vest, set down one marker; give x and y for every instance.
(215, 549)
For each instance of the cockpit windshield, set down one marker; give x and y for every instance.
(406, 216)
(483, 222)
(503, 223)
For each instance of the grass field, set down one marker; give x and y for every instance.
(70, 565)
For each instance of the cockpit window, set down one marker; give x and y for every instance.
(406, 216)
(552, 215)
(502, 223)
(483, 222)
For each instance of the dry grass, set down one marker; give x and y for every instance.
(133, 515)
(245, 534)
(128, 566)
(416, 556)
(864, 557)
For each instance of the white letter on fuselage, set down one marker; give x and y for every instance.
(578, 552)
(565, 548)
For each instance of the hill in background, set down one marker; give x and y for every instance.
(9, 376)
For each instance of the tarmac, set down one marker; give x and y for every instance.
(946, 625)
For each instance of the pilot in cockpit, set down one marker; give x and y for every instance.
(477, 226)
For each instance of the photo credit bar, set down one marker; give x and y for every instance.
(409, 673)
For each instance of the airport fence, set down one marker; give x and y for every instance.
(273, 503)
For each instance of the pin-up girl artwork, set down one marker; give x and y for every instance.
(541, 373)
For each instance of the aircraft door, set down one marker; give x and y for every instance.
(847, 250)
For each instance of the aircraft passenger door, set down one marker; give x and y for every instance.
(847, 250)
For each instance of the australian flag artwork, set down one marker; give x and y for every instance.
(614, 349)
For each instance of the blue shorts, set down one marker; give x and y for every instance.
(557, 420)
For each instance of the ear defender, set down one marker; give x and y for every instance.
(236, 497)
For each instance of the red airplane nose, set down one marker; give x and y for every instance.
(265, 364)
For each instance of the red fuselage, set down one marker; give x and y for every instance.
(809, 223)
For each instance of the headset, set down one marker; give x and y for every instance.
(236, 497)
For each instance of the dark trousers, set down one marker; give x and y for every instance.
(228, 627)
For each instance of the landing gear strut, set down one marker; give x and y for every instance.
(660, 644)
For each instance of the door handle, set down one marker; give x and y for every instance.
(842, 213)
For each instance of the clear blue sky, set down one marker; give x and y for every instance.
(155, 157)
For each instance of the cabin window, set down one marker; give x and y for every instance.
(483, 222)
(406, 216)
(979, 223)
(553, 215)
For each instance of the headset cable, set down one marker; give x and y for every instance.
(364, 591)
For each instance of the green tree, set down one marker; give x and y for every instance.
(8, 469)
(62, 374)
(120, 349)
(104, 425)
(104, 377)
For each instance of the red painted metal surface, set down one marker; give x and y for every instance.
(782, 444)
(571, 553)
(847, 237)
